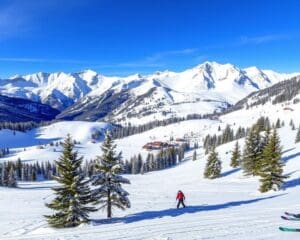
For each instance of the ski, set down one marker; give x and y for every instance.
(290, 218)
(292, 214)
(286, 229)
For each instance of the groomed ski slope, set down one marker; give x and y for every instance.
(226, 208)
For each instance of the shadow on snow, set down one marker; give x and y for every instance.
(232, 171)
(149, 215)
(289, 157)
(291, 183)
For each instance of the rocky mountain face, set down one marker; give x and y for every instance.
(286, 92)
(23, 110)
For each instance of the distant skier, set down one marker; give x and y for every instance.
(180, 197)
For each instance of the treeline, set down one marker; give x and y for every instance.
(261, 156)
(229, 135)
(11, 172)
(125, 131)
(164, 159)
(4, 152)
(22, 126)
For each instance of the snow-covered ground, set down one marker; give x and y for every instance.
(226, 208)
(82, 131)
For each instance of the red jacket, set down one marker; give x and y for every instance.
(180, 196)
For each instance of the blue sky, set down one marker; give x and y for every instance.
(120, 37)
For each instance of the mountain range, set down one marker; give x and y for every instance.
(87, 95)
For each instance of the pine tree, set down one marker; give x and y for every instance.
(135, 165)
(19, 168)
(5, 173)
(195, 155)
(213, 166)
(292, 125)
(73, 194)
(252, 152)
(236, 156)
(139, 162)
(278, 123)
(108, 192)
(271, 171)
(298, 135)
(12, 181)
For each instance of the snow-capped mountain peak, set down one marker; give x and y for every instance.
(163, 91)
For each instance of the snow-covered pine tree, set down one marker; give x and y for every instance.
(73, 194)
(236, 156)
(12, 181)
(213, 166)
(108, 192)
(265, 138)
(135, 168)
(139, 162)
(292, 125)
(252, 152)
(5, 174)
(298, 135)
(195, 155)
(278, 123)
(271, 171)
(19, 168)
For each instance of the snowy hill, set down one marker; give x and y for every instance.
(80, 131)
(88, 95)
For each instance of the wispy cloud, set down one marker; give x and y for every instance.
(263, 39)
(173, 53)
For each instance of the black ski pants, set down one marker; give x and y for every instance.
(180, 201)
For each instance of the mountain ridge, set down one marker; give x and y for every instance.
(87, 95)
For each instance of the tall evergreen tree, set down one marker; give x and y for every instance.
(292, 125)
(11, 181)
(278, 123)
(108, 192)
(73, 194)
(271, 171)
(19, 168)
(195, 155)
(252, 152)
(236, 156)
(213, 166)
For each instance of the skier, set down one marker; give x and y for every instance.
(180, 197)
